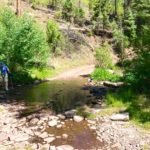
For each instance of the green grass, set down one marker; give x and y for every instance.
(136, 104)
(104, 75)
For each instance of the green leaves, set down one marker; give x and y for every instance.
(22, 43)
(54, 36)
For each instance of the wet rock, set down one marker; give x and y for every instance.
(52, 123)
(36, 81)
(120, 117)
(60, 116)
(49, 139)
(70, 114)
(78, 118)
(65, 147)
(65, 136)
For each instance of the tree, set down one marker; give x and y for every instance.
(18, 7)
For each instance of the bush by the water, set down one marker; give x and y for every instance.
(22, 44)
(104, 75)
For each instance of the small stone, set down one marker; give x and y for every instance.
(78, 118)
(59, 126)
(52, 123)
(65, 147)
(60, 116)
(65, 136)
(34, 121)
(115, 146)
(52, 148)
(49, 139)
(70, 114)
(93, 127)
(43, 135)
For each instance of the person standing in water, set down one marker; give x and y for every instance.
(4, 73)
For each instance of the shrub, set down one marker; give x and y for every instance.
(54, 36)
(68, 9)
(103, 56)
(104, 75)
(79, 16)
(22, 44)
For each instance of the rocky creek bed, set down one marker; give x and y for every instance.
(43, 129)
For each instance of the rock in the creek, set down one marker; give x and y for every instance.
(70, 114)
(78, 118)
(52, 148)
(65, 147)
(52, 123)
(43, 135)
(34, 121)
(49, 139)
(21, 139)
(65, 136)
(36, 81)
(59, 126)
(60, 116)
(120, 117)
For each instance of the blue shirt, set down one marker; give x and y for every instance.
(4, 70)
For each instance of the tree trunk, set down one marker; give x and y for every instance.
(18, 7)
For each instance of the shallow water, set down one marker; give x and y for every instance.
(60, 95)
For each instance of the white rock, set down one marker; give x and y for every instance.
(49, 139)
(65, 136)
(59, 126)
(52, 123)
(78, 118)
(91, 121)
(52, 148)
(120, 117)
(43, 135)
(60, 116)
(65, 147)
(34, 121)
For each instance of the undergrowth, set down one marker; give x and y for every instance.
(105, 75)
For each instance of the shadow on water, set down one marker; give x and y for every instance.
(60, 95)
